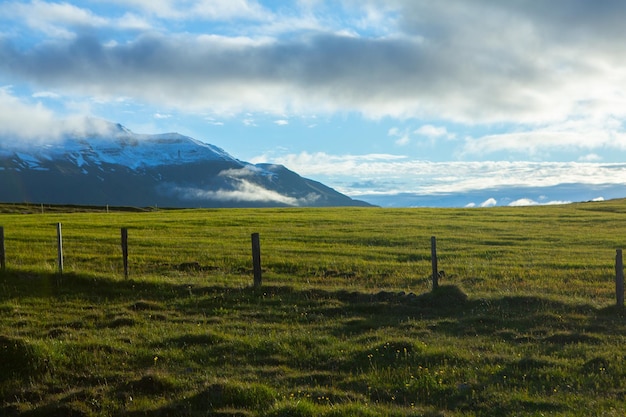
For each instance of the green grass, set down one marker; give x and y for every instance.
(345, 323)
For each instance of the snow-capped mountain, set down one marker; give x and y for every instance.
(115, 166)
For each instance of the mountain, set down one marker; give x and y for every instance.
(114, 166)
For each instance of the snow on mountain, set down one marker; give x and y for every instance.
(118, 146)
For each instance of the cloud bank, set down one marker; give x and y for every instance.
(395, 174)
(478, 61)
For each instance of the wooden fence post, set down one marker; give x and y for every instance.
(3, 260)
(619, 278)
(60, 248)
(125, 250)
(256, 259)
(433, 258)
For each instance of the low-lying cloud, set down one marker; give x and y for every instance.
(244, 191)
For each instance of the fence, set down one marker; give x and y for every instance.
(256, 260)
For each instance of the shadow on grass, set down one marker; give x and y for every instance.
(516, 318)
(448, 310)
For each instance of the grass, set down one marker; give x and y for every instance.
(345, 323)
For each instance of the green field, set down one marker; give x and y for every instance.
(345, 324)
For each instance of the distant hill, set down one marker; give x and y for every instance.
(120, 168)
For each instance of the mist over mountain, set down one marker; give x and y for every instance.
(115, 166)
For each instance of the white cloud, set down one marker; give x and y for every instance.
(582, 134)
(281, 122)
(245, 191)
(195, 9)
(52, 18)
(402, 136)
(25, 121)
(247, 171)
(431, 131)
(327, 164)
(133, 22)
(529, 202)
(523, 202)
(592, 157)
(491, 202)
(392, 174)
(162, 116)
(29, 122)
(45, 94)
(402, 141)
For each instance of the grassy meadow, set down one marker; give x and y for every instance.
(345, 324)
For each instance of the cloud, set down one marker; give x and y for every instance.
(578, 135)
(46, 94)
(327, 164)
(281, 122)
(431, 131)
(199, 9)
(491, 202)
(213, 122)
(54, 19)
(245, 172)
(64, 20)
(20, 120)
(403, 137)
(131, 21)
(523, 202)
(29, 122)
(436, 60)
(394, 174)
(244, 191)
(529, 202)
(592, 157)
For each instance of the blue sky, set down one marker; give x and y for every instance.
(371, 97)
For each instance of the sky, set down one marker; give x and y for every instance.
(375, 98)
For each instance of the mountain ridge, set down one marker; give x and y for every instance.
(115, 166)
